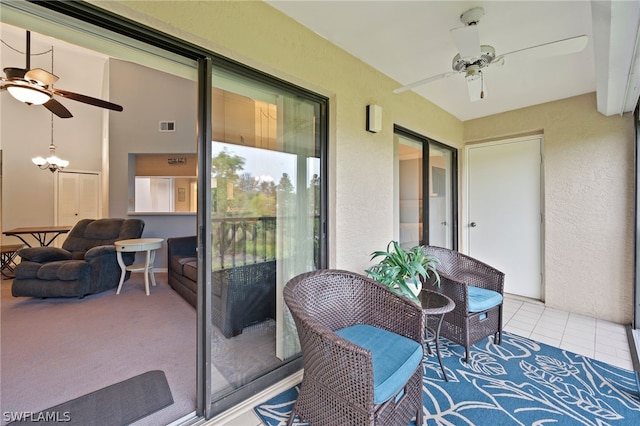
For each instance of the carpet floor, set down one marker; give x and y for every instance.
(55, 350)
(520, 382)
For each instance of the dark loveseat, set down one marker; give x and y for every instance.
(241, 295)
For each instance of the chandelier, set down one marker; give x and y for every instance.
(52, 162)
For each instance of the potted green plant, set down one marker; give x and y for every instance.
(404, 270)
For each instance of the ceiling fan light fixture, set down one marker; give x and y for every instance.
(29, 95)
(473, 73)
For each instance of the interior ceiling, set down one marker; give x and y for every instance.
(410, 40)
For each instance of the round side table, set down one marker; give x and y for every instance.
(148, 245)
(436, 305)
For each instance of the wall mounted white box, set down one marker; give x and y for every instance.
(374, 118)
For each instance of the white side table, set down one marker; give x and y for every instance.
(150, 245)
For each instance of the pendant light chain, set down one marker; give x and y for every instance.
(52, 162)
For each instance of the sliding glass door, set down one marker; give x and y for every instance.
(427, 207)
(266, 177)
(261, 197)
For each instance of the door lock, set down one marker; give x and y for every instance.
(472, 224)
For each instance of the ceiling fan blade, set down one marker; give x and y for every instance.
(424, 81)
(467, 41)
(554, 48)
(87, 99)
(45, 78)
(477, 89)
(57, 108)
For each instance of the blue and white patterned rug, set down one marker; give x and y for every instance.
(520, 382)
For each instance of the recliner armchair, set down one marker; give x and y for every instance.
(86, 263)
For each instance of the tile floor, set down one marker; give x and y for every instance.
(598, 339)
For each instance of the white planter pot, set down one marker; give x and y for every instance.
(415, 286)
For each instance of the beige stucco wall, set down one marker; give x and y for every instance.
(588, 202)
(361, 163)
(588, 157)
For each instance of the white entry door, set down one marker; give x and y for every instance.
(504, 211)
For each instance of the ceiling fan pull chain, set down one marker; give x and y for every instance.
(51, 63)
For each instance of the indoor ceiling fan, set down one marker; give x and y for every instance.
(473, 57)
(35, 87)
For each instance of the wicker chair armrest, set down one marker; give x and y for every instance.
(334, 363)
(477, 273)
(456, 290)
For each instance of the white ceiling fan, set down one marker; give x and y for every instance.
(473, 57)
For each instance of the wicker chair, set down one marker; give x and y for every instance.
(475, 316)
(334, 309)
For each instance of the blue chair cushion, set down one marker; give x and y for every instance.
(394, 357)
(481, 299)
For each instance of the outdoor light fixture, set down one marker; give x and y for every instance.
(374, 118)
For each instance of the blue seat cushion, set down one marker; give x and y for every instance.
(481, 299)
(394, 357)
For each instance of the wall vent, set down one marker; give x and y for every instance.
(167, 126)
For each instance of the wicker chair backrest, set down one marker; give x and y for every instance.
(329, 298)
(466, 269)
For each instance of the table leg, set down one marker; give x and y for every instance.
(146, 272)
(153, 258)
(426, 338)
(123, 269)
(437, 337)
(6, 263)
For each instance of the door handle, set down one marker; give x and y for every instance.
(472, 224)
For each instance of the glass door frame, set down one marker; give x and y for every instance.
(426, 143)
(81, 13)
